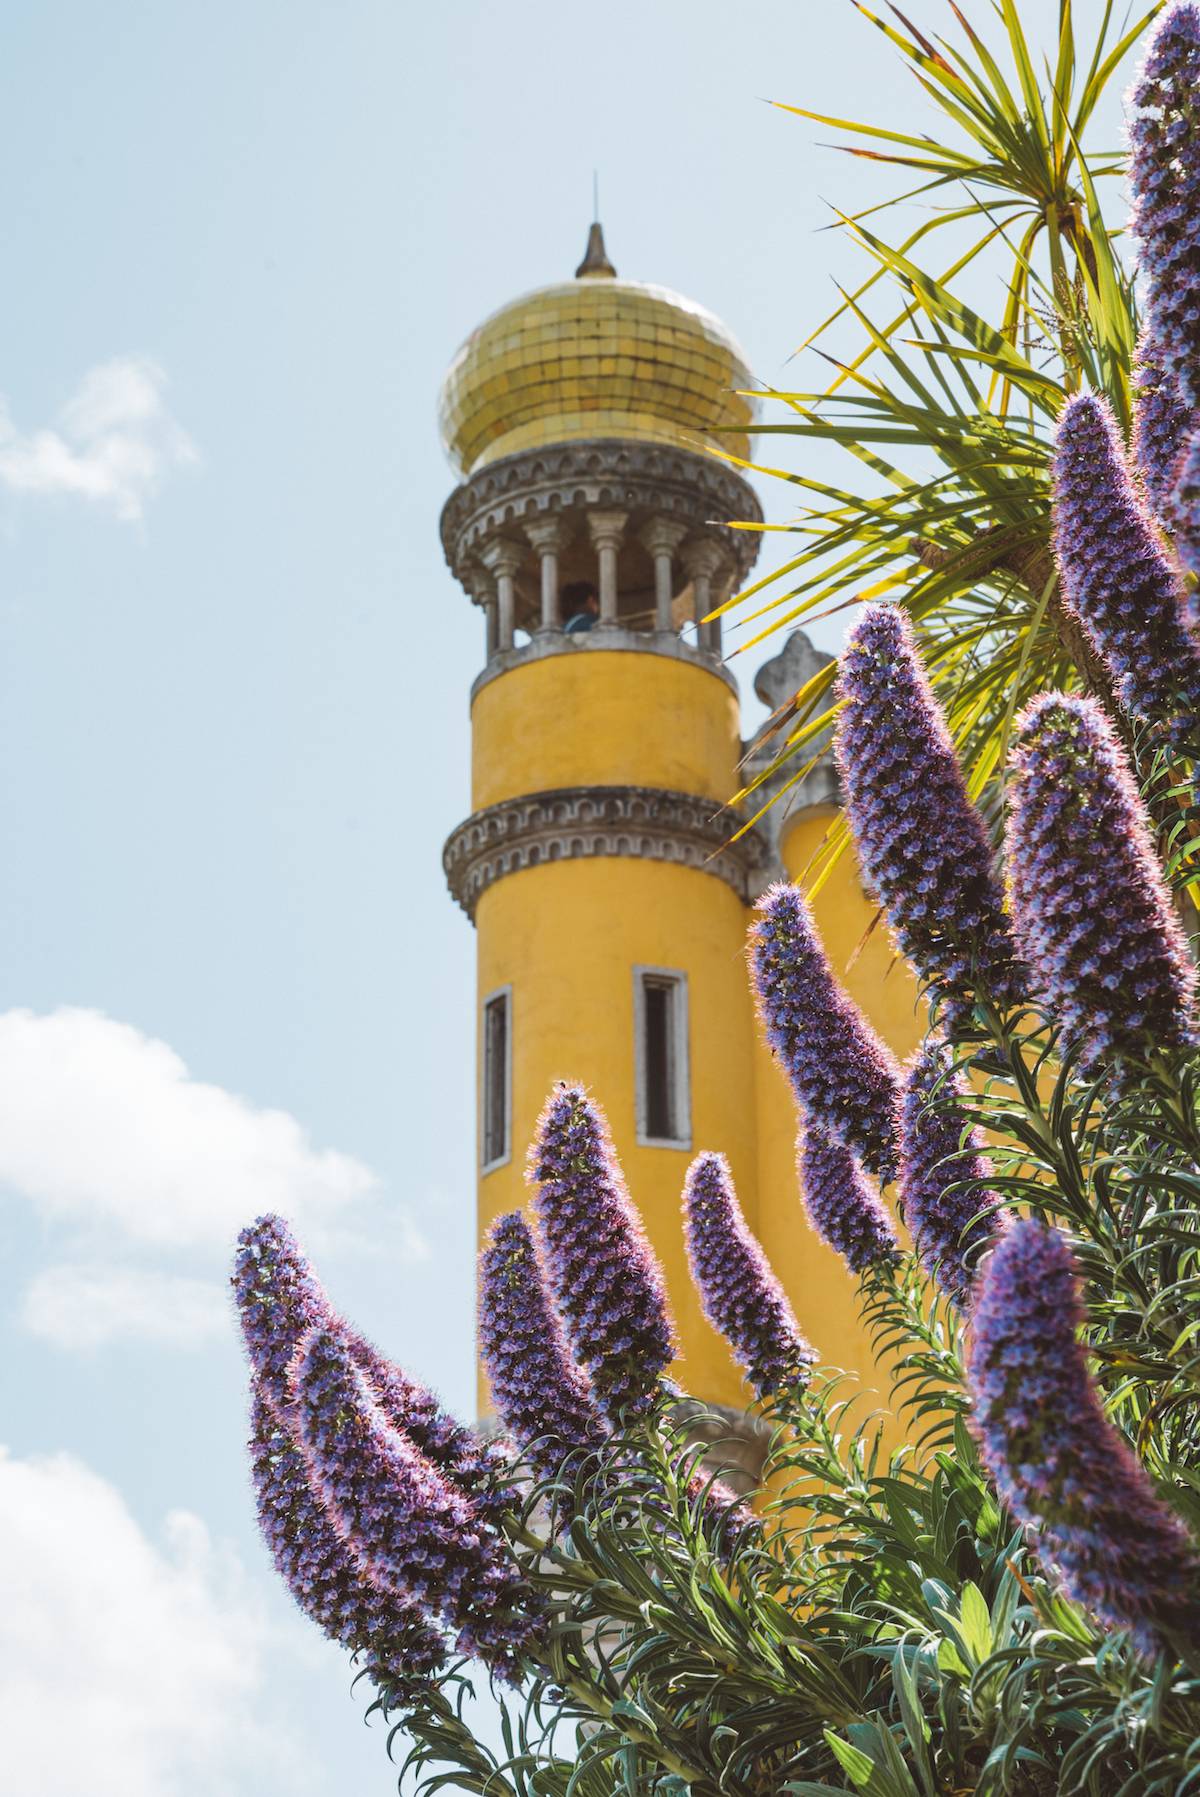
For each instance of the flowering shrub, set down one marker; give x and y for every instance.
(1010, 1604)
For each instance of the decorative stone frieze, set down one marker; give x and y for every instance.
(576, 822)
(503, 498)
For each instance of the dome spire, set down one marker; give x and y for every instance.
(595, 264)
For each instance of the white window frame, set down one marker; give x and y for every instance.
(489, 999)
(679, 1071)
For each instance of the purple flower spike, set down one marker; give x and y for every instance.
(1164, 174)
(280, 1300)
(412, 1533)
(540, 1395)
(1116, 575)
(923, 846)
(1091, 910)
(740, 1294)
(943, 1174)
(400, 1648)
(601, 1268)
(477, 1467)
(1185, 520)
(1163, 423)
(1057, 1461)
(839, 1069)
(841, 1206)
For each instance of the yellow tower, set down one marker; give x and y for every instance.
(610, 909)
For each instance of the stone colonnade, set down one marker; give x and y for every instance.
(703, 562)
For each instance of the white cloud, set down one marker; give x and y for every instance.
(137, 1167)
(79, 1307)
(113, 443)
(104, 1127)
(127, 1669)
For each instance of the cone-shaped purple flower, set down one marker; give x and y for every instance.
(607, 1284)
(843, 1208)
(740, 1294)
(840, 1072)
(280, 1300)
(923, 846)
(409, 1529)
(1185, 520)
(1164, 174)
(1116, 575)
(397, 1643)
(1057, 1461)
(1163, 423)
(540, 1395)
(943, 1173)
(1091, 910)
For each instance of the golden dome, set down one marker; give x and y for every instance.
(591, 358)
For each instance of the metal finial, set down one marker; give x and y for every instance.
(595, 262)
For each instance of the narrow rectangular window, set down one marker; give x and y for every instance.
(497, 1078)
(661, 1050)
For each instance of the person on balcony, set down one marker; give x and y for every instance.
(581, 607)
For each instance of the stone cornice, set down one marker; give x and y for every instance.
(701, 492)
(575, 822)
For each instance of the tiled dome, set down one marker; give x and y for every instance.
(592, 358)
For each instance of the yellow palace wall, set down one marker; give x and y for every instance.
(566, 936)
(604, 719)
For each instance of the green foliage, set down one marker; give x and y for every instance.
(947, 415)
(885, 1627)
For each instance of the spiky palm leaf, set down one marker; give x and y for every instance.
(949, 416)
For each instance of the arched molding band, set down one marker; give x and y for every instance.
(574, 823)
(699, 491)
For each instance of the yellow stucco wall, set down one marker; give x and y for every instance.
(567, 935)
(604, 718)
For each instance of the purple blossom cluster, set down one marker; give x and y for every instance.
(412, 1531)
(1185, 520)
(601, 1268)
(280, 1301)
(1056, 1459)
(1163, 423)
(740, 1294)
(944, 1195)
(378, 1507)
(841, 1204)
(1091, 910)
(840, 1072)
(1165, 180)
(1116, 575)
(922, 844)
(399, 1647)
(1164, 173)
(540, 1395)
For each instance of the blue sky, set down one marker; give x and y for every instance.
(243, 242)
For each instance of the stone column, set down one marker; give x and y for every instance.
(502, 559)
(703, 560)
(719, 591)
(662, 537)
(608, 533)
(481, 587)
(549, 538)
